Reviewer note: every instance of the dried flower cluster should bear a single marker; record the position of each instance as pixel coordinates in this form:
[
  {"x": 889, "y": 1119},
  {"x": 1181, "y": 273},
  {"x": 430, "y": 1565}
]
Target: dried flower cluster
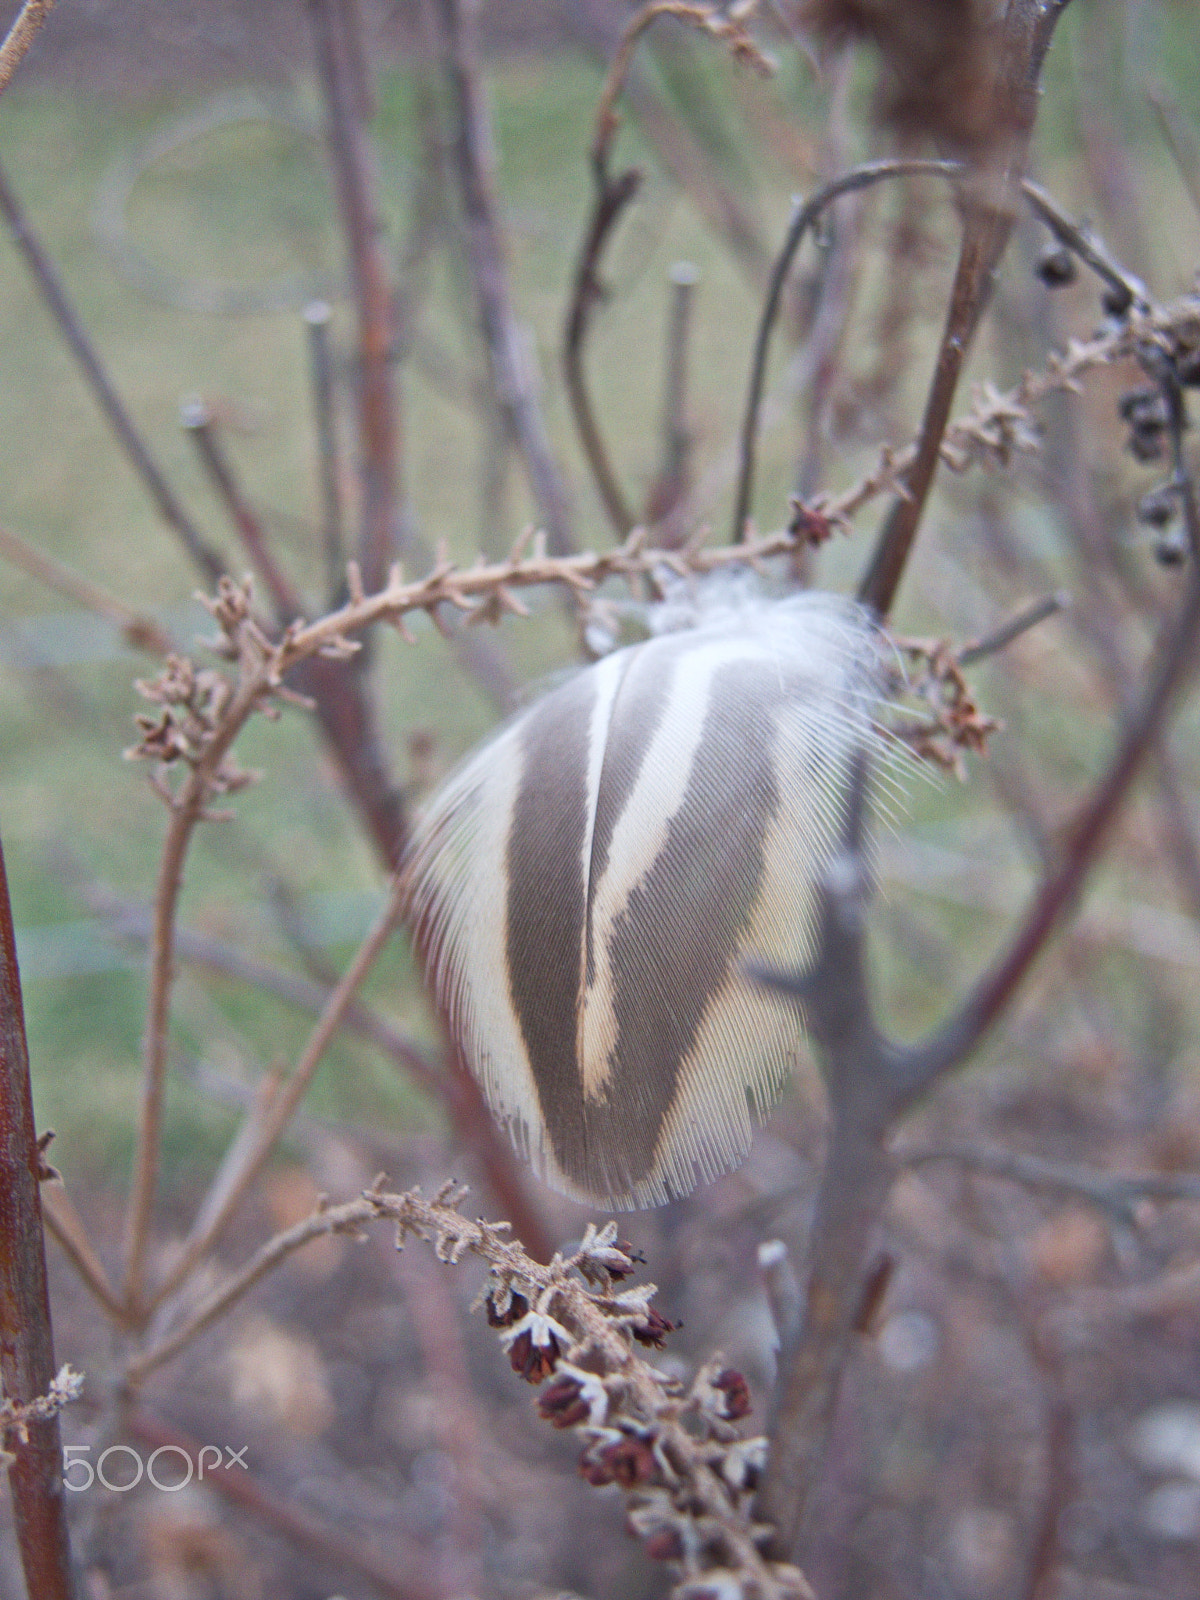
[
  {"x": 575, "y": 1326},
  {"x": 956, "y": 725}
]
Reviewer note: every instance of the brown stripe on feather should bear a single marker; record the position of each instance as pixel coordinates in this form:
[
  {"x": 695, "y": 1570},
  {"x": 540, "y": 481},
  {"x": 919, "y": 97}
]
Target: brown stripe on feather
[
  {"x": 545, "y": 905},
  {"x": 673, "y": 944},
  {"x": 634, "y": 717}
]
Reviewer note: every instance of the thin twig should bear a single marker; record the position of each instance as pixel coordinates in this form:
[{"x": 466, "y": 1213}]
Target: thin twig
[
  {"x": 612, "y": 196},
  {"x": 1115, "y": 1193},
  {"x": 27, "y": 1366},
  {"x": 317, "y": 315},
  {"x": 20, "y": 36},
  {"x": 961, "y": 1035},
  {"x": 278, "y": 1109},
  {"x": 1180, "y": 142},
  {"x": 451, "y": 1083},
  {"x": 727, "y": 23},
  {"x": 673, "y": 479},
  {"x": 1037, "y": 611},
  {"x": 138, "y": 630},
  {"x": 398, "y": 1575},
  {"x": 362, "y": 230},
  {"x": 207, "y": 559},
  {"x": 1091, "y": 250},
  {"x": 198, "y": 424},
  {"x": 472, "y": 147},
  {"x": 65, "y": 1225}
]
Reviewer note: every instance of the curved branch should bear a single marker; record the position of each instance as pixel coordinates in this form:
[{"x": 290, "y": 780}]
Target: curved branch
[
  {"x": 613, "y": 195},
  {"x": 804, "y": 218}
]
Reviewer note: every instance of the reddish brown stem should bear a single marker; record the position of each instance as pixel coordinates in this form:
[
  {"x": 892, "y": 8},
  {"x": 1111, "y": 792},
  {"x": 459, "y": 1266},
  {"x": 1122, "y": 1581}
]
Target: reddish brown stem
[
  {"x": 988, "y": 202},
  {"x": 370, "y": 276},
  {"x": 27, "y": 1364},
  {"x": 199, "y": 426}
]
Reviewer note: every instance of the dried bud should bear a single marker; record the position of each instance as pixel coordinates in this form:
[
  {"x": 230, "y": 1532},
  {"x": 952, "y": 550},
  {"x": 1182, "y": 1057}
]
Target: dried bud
[
  {"x": 1146, "y": 443},
  {"x": 1056, "y": 267},
  {"x": 1116, "y": 299},
  {"x": 1146, "y": 413},
  {"x": 654, "y": 1330},
  {"x": 592, "y": 1470},
  {"x": 736, "y": 1391},
  {"x": 627, "y": 1461},
  {"x": 533, "y": 1362},
  {"x": 562, "y": 1404},
  {"x": 1171, "y": 550},
  {"x": 1158, "y": 508},
  {"x": 812, "y": 526},
  {"x": 517, "y": 1307},
  {"x": 664, "y": 1545},
  {"x": 1140, "y": 407}
]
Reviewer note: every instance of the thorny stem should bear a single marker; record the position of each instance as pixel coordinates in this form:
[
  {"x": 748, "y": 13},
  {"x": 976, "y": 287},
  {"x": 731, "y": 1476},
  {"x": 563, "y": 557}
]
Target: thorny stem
[
  {"x": 27, "y": 1365},
  {"x": 20, "y": 36}
]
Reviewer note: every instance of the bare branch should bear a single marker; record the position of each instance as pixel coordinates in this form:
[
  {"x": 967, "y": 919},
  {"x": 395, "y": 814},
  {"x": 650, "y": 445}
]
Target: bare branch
[
  {"x": 27, "y": 1365},
  {"x": 317, "y": 316},
  {"x": 64, "y": 1223},
  {"x": 370, "y": 274},
  {"x": 209, "y": 561},
  {"x": 988, "y": 202},
  {"x": 612, "y": 196},
  {"x": 398, "y": 1574},
  {"x": 1115, "y": 1193},
  {"x": 508, "y": 357},
  {"x": 804, "y": 218},
  {"x": 200, "y": 428},
  {"x": 139, "y": 631},
  {"x": 271, "y": 1116}
]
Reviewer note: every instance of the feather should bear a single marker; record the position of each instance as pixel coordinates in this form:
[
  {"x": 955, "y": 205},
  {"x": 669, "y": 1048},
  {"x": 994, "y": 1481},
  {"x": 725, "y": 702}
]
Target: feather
[{"x": 586, "y": 889}]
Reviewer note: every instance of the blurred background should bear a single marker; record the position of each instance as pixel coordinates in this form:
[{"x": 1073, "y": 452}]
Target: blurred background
[{"x": 1025, "y": 1418}]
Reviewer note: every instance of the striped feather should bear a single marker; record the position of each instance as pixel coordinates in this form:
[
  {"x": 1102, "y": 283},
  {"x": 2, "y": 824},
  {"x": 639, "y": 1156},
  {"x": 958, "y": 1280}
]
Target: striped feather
[{"x": 586, "y": 889}]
